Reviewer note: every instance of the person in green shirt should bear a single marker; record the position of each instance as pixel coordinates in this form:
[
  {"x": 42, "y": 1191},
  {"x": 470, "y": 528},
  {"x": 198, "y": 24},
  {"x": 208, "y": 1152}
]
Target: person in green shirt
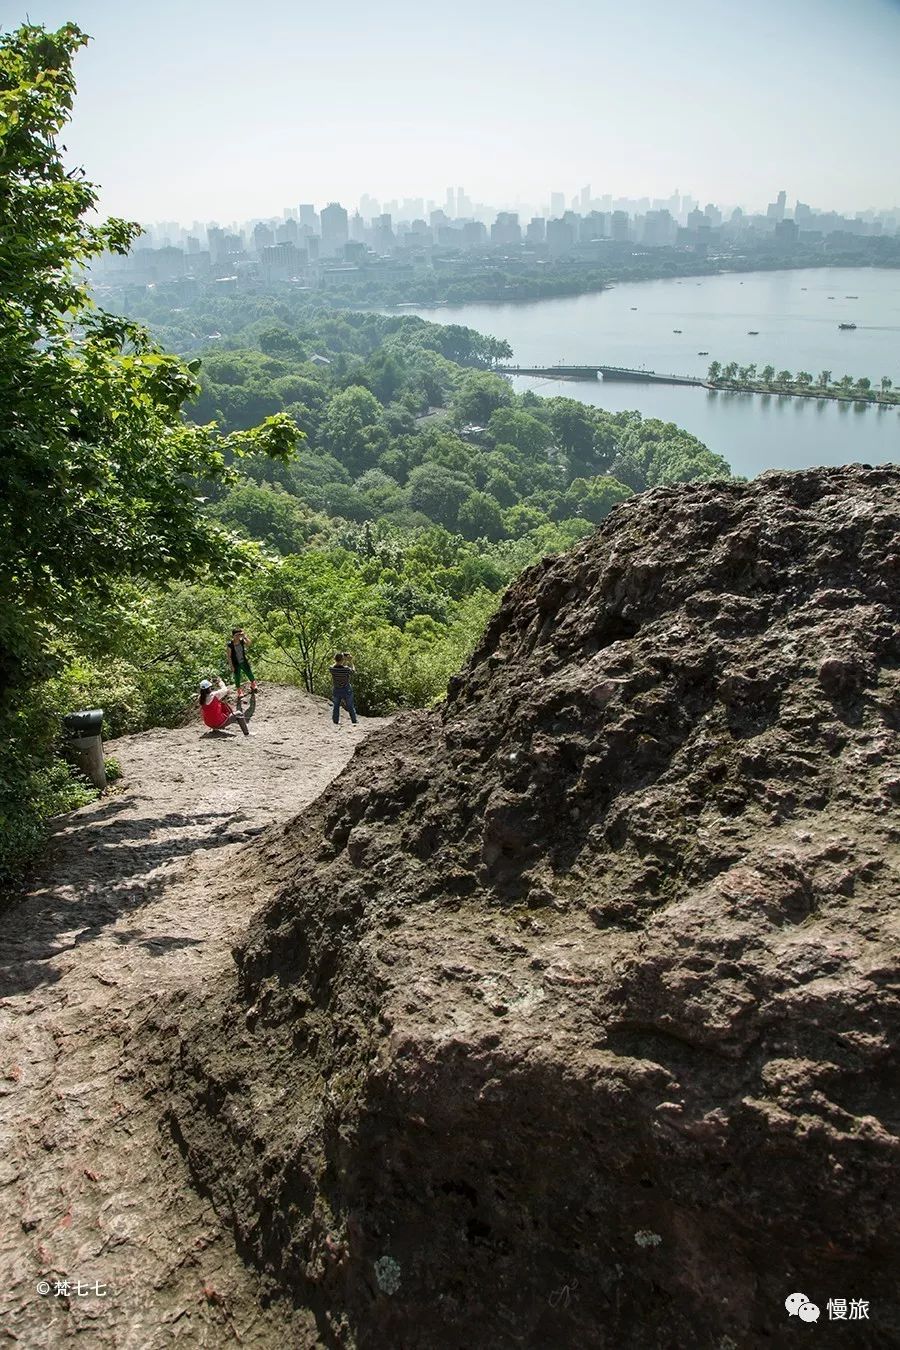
[{"x": 238, "y": 659}]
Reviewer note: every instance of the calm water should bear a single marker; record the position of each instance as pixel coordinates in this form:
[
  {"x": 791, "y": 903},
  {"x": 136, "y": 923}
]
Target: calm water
[{"x": 797, "y": 316}]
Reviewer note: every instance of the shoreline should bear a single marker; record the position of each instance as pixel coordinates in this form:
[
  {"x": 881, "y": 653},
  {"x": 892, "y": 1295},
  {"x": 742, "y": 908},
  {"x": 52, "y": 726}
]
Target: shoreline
[
  {"x": 830, "y": 396},
  {"x": 409, "y": 306}
]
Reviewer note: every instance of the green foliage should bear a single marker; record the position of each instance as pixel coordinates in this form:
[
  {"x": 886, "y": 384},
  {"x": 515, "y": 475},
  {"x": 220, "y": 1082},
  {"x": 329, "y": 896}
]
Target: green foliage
[
  {"x": 97, "y": 464},
  {"x": 480, "y": 517},
  {"x": 271, "y": 515},
  {"x": 477, "y": 398},
  {"x": 113, "y": 769},
  {"x": 437, "y": 492},
  {"x": 594, "y": 498},
  {"x": 308, "y": 602}
]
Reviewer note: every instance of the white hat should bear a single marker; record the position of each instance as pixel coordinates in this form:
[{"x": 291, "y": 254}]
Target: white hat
[{"x": 206, "y": 684}]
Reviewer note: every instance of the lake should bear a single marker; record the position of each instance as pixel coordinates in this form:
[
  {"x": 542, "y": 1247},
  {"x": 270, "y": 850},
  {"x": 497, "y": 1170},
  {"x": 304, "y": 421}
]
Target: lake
[{"x": 796, "y": 314}]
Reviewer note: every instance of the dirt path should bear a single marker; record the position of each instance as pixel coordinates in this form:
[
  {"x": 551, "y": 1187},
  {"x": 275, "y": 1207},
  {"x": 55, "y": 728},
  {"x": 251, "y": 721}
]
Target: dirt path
[{"x": 140, "y": 894}]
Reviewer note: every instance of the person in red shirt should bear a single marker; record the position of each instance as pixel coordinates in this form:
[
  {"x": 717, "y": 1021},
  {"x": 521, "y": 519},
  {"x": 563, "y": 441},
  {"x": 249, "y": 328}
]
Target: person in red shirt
[{"x": 215, "y": 709}]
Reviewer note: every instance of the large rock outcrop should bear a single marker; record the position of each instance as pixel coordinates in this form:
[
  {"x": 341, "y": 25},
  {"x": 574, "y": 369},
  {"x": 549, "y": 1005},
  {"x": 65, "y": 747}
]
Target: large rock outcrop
[{"x": 574, "y": 1019}]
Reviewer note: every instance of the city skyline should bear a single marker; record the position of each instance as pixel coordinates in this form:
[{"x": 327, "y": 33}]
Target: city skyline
[
  {"x": 556, "y": 204},
  {"x": 208, "y": 110}
]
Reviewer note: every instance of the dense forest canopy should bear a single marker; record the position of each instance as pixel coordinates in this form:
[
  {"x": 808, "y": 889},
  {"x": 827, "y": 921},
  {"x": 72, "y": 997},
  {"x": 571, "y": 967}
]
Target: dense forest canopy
[{"x": 325, "y": 478}]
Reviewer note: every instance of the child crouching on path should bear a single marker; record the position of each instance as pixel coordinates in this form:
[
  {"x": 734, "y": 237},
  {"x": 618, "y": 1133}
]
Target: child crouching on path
[
  {"x": 215, "y": 709},
  {"x": 341, "y": 688}
]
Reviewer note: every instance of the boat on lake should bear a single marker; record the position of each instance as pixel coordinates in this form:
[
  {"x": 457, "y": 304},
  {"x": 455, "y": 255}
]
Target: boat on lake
[
  {"x": 676, "y": 330},
  {"x": 846, "y": 325},
  {"x": 753, "y": 332},
  {"x": 703, "y": 353}
]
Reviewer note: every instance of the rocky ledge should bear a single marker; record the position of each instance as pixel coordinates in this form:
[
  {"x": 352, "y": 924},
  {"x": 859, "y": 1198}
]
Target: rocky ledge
[{"x": 573, "y": 1020}]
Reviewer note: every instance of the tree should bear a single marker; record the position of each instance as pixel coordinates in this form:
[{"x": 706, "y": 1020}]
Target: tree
[
  {"x": 803, "y": 379},
  {"x": 864, "y": 384},
  {"x": 351, "y": 428},
  {"x": 478, "y": 396},
  {"x": 278, "y": 340},
  {"x": 824, "y": 379},
  {"x": 98, "y": 462},
  {"x": 572, "y": 427},
  {"x": 308, "y": 602},
  {"x": 715, "y": 370},
  {"x": 768, "y": 374},
  {"x": 510, "y": 426},
  {"x": 887, "y": 384},
  {"x": 437, "y": 492},
  {"x": 730, "y": 371},
  {"x": 521, "y": 519},
  {"x": 479, "y": 517},
  {"x": 274, "y": 517},
  {"x": 845, "y": 383},
  {"x": 783, "y": 377},
  {"x": 594, "y": 498}
]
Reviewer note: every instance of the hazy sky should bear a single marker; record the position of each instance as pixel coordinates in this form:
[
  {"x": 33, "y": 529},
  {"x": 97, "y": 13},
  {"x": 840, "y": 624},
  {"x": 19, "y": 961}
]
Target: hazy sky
[{"x": 222, "y": 109}]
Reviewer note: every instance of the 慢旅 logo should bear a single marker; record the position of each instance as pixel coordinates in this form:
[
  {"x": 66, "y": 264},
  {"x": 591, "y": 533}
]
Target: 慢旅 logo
[{"x": 798, "y": 1305}]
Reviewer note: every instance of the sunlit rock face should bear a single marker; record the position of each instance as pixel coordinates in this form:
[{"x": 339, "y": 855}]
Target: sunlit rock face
[{"x": 573, "y": 1020}]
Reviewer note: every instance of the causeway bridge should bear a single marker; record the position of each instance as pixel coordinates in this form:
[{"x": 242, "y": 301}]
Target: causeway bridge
[{"x": 560, "y": 372}]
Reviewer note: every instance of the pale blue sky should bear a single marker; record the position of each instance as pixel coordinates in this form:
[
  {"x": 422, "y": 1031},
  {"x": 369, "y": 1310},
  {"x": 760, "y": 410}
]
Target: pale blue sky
[{"x": 230, "y": 108}]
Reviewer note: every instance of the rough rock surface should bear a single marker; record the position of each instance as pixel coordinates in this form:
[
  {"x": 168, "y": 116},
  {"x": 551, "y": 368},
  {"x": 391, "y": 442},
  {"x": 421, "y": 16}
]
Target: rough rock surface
[{"x": 573, "y": 1020}]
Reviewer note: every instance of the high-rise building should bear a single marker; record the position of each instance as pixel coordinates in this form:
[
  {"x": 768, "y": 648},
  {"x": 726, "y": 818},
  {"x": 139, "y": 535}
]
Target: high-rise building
[
  {"x": 288, "y": 232},
  {"x": 536, "y": 230},
  {"x": 618, "y": 226},
  {"x": 383, "y": 233},
  {"x": 660, "y": 228},
  {"x": 450, "y": 204},
  {"x": 335, "y": 231},
  {"x": 561, "y": 235},
  {"x": 463, "y": 205},
  {"x": 216, "y": 238},
  {"x": 585, "y": 198},
  {"x": 506, "y": 229},
  {"x": 775, "y": 210},
  {"x": 593, "y": 226},
  {"x": 308, "y": 217},
  {"x": 262, "y": 237},
  {"x": 282, "y": 261},
  {"x": 557, "y": 203}
]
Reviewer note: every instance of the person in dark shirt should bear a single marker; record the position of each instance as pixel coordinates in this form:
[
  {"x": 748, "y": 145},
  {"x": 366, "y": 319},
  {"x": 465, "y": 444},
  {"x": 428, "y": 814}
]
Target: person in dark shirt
[
  {"x": 238, "y": 658},
  {"x": 341, "y": 688}
]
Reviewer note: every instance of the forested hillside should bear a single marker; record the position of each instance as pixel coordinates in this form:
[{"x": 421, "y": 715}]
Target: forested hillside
[{"x": 323, "y": 478}]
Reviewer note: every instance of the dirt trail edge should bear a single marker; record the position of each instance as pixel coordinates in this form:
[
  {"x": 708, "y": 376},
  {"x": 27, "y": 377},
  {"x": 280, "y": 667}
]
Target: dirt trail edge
[{"x": 141, "y": 894}]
